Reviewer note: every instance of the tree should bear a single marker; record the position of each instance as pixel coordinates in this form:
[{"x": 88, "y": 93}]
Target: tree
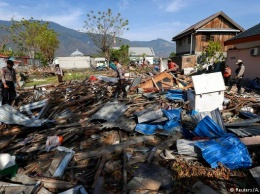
[
  {"x": 211, "y": 55},
  {"x": 103, "y": 29},
  {"x": 172, "y": 54},
  {"x": 35, "y": 37},
  {"x": 122, "y": 54}
]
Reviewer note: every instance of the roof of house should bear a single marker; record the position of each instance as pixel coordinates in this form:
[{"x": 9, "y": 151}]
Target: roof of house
[
  {"x": 76, "y": 53},
  {"x": 137, "y": 51},
  {"x": 140, "y": 51},
  {"x": 248, "y": 34},
  {"x": 201, "y": 23}
]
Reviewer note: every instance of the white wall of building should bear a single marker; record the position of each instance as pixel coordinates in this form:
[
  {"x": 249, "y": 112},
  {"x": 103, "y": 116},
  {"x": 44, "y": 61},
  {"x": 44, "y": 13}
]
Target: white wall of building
[{"x": 73, "y": 62}]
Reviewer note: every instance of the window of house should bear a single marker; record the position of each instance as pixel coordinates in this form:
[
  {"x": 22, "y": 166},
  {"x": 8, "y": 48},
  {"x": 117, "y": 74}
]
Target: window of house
[
  {"x": 207, "y": 37},
  {"x": 180, "y": 42},
  {"x": 188, "y": 60}
]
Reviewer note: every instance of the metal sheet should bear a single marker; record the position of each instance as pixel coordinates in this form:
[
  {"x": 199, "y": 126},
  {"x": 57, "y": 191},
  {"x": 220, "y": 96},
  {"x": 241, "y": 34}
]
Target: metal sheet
[
  {"x": 111, "y": 111},
  {"x": 34, "y": 105},
  {"x": 136, "y": 82},
  {"x": 245, "y": 123},
  {"x": 215, "y": 115},
  {"x": 10, "y": 115},
  {"x": 246, "y": 131},
  {"x": 150, "y": 116},
  {"x": 124, "y": 123}
]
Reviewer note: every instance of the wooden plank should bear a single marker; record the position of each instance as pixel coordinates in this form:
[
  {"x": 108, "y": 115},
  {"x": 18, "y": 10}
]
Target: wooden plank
[
  {"x": 99, "y": 170},
  {"x": 55, "y": 184},
  {"x": 112, "y": 148},
  {"x": 155, "y": 85}
]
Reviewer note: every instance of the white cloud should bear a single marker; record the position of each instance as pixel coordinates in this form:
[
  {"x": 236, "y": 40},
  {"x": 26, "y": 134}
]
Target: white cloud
[
  {"x": 171, "y": 5},
  {"x": 123, "y": 4},
  {"x": 69, "y": 19},
  {"x": 7, "y": 15},
  {"x": 3, "y": 4},
  {"x": 175, "y": 5}
]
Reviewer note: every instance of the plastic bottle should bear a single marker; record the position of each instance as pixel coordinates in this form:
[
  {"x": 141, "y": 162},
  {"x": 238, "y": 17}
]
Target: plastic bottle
[{"x": 53, "y": 141}]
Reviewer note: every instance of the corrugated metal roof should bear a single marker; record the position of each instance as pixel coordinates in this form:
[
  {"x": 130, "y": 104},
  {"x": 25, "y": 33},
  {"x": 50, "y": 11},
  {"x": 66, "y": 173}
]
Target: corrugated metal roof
[
  {"x": 215, "y": 115},
  {"x": 140, "y": 51},
  {"x": 150, "y": 116},
  {"x": 10, "y": 115},
  {"x": 122, "y": 122},
  {"x": 255, "y": 30},
  {"x": 246, "y": 131},
  {"x": 110, "y": 111}
]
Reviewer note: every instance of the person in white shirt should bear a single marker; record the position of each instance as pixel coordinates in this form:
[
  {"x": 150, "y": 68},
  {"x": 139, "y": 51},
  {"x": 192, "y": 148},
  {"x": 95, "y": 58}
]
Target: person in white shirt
[{"x": 121, "y": 80}]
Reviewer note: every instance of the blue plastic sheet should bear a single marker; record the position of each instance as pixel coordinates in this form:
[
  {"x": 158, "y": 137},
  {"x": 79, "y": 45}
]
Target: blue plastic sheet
[
  {"x": 225, "y": 148},
  {"x": 175, "y": 95},
  {"x": 165, "y": 128}
]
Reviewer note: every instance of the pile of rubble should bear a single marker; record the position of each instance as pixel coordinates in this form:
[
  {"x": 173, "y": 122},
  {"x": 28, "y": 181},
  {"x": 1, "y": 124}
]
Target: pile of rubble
[{"x": 72, "y": 138}]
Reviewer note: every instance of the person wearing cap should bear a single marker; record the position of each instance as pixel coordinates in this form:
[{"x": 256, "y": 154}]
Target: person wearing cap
[
  {"x": 8, "y": 83},
  {"x": 240, "y": 71},
  {"x": 121, "y": 79}
]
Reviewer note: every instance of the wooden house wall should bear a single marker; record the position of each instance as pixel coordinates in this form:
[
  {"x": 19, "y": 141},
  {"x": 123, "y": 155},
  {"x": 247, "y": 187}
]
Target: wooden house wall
[{"x": 220, "y": 23}]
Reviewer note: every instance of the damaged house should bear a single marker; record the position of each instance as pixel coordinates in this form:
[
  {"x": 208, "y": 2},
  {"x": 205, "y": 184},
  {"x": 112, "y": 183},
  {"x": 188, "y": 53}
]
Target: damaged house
[{"x": 192, "y": 41}]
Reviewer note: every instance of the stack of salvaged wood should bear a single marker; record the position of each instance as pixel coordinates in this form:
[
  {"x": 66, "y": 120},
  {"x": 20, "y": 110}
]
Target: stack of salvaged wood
[{"x": 72, "y": 138}]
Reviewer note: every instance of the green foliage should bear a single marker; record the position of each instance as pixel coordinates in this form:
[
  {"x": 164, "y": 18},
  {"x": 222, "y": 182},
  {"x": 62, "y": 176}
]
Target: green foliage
[
  {"x": 103, "y": 28},
  {"x": 35, "y": 37},
  {"x": 172, "y": 54},
  {"x": 122, "y": 54},
  {"x": 212, "y": 54}
]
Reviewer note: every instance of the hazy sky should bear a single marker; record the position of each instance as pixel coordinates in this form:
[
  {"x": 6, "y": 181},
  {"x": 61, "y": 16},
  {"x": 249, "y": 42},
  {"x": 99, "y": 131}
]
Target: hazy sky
[{"x": 148, "y": 19}]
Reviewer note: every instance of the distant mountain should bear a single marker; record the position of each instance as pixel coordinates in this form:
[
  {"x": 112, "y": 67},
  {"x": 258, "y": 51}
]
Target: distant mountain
[{"x": 71, "y": 40}]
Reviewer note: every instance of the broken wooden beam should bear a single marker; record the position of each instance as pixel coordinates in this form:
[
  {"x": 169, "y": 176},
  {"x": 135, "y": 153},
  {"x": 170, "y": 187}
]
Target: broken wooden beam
[{"x": 112, "y": 148}]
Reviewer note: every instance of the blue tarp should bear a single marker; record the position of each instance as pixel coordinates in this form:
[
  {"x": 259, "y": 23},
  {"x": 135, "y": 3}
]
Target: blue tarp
[
  {"x": 175, "y": 95},
  {"x": 225, "y": 148},
  {"x": 165, "y": 128}
]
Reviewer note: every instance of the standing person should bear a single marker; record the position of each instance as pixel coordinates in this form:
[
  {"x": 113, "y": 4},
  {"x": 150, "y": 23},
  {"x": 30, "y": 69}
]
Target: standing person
[
  {"x": 227, "y": 75},
  {"x": 8, "y": 83},
  {"x": 59, "y": 73},
  {"x": 239, "y": 75},
  {"x": 172, "y": 66},
  {"x": 121, "y": 79}
]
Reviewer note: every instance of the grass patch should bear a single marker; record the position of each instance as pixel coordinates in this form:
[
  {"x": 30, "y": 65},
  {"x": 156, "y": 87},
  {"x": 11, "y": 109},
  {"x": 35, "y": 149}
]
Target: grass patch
[{"x": 72, "y": 75}]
